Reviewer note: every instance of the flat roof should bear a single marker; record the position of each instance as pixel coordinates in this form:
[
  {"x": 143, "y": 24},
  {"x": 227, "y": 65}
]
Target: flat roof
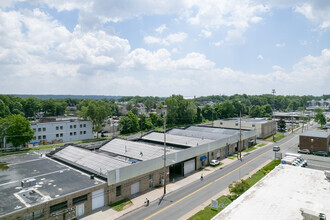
[
  {"x": 250, "y": 120},
  {"x": 52, "y": 180},
  {"x": 90, "y": 161},
  {"x": 176, "y": 139},
  {"x": 136, "y": 150},
  {"x": 281, "y": 194},
  {"x": 293, "y": 114},
  {"x": 321, "y": 134},
  {"x": 204, "y": 132}
]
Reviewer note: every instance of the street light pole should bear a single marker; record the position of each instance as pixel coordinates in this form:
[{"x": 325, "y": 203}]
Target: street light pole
[
  {"x": 240, "y": 134},
  {"x": 164, "y": 155}
]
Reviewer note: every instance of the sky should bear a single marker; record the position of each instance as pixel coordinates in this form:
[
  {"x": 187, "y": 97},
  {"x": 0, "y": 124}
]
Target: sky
[{"x": 160, "y": 48}]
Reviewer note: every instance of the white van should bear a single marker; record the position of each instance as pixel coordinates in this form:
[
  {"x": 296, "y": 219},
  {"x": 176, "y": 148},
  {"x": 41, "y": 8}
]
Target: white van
[
  {"x": 276, "y": 148},
  {"x": 299, "y": 158}
]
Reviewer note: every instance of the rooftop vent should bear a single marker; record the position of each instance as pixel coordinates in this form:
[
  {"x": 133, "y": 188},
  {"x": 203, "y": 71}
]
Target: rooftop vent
[
  {"x": 28, "y": 183},
  {"x": 312, "y": 215}
]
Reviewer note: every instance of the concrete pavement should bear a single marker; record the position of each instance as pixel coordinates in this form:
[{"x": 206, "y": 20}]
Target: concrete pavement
[{"x": 156, "y": 194}]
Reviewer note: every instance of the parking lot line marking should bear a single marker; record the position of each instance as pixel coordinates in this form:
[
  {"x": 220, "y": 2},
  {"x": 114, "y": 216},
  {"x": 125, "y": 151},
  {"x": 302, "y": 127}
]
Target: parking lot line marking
[{"x": 27, "y": 161}]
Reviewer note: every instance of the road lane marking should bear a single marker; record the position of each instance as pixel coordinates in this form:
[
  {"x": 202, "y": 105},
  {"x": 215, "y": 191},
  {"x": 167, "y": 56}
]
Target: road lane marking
[{"x": 163, "y": 209}]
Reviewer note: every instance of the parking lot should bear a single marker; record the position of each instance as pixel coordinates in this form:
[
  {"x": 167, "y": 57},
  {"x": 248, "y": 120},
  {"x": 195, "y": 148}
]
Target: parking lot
[{"x": 314, "y": 162}]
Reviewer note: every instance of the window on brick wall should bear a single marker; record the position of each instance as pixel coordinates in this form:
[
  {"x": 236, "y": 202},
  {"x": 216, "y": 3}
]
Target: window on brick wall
[
  {"x": 58, "y": 207},
  {"x": 118, "y": 191},
  {"x": 79, "y": 199}
]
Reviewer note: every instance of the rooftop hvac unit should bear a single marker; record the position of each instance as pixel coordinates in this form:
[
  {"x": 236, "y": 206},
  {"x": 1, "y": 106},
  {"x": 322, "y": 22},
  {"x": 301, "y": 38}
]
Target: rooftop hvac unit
[
  {"x": 28, "y": 183},
  {"x": 327, "y": 174},
  {"x": 312, "y": 215}
]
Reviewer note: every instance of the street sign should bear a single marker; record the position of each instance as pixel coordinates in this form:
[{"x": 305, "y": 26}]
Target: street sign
[{"x": 278, "y": 155}]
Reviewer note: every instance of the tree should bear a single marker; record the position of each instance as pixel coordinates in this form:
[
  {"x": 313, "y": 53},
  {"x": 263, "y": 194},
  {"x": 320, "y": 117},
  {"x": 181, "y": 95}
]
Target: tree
[
  {"x": 149, "y": 104},
  {"x": 156, "y": 120},
  {"x": 97, "y": 112},
  {"x": 281, "y": 125},
  {"x": 238, "y": 188},
  {"x": 129, "y": 123},
  {"x": 129, "y": 106},
  {"x": 199, "y": 117},
  {"x": 135, "y": 111},
  {"x": 145, "y": 123},
  {"x": 17, "y": 129},
  {"x": 4, "y": 110},
  {"x": 207, "y": 112},
  {"x": 256, "y": 111},
  {"x": 172, "y": 110},
  {"x": 319, "y": 118},
  {"x": 268, "y": 111},
  {"x": 227, "y": 109}
]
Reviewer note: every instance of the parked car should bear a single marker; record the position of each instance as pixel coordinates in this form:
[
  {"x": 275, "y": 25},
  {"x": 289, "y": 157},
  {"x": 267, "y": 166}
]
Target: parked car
[
  {"x": 304, "y": 151},
  {"x": 276, "y": 148},
  {"x": 321, "y": 153},
  {"x": 214, "y": 162},
  {"x": 103, "y": 135}
]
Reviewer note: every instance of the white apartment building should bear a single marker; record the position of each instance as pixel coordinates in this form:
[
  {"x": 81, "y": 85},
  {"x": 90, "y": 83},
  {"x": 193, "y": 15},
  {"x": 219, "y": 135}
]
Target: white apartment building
[{"x": 61, "y": 131}]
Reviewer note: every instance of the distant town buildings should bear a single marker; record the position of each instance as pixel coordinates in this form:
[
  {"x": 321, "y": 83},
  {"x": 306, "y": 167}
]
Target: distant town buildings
[{"x": 323, "y": 104}]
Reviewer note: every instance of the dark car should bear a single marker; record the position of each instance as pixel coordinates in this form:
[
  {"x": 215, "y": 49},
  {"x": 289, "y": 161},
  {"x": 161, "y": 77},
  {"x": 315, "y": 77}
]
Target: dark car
[
  {"x": 304, "y": 151},
  {"x": 321, "y": 153}
]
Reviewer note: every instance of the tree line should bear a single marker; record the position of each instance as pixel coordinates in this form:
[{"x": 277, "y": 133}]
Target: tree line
[{"x": 179, "y": 111}]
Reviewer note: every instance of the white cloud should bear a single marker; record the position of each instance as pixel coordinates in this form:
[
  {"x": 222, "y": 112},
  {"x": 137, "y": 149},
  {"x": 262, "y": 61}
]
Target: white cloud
[
  {"x": 260, "y": 57},
  {"x": 169, "y": 39},
  {"x": 218, "y": 43},
  {"x": 277, "y": 68},
  {"x": 280, "y": 45},
  {"x": 235, "y": 15},
  {"x": 205, "y": 34},
  {"x": 317, "y": 12},
  {"x": 36, "y": 49},
  {"x": 161, "y": 28}
]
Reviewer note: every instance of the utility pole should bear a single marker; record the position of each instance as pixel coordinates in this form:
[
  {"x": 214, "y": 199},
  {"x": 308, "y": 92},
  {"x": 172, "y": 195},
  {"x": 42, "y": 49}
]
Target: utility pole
[
  {"x": 273, "y": 91},
  {"x": 164, "y": 155},
  {"x": 240, "y": 134},
  {"x": 141, "y": 125},
  {"x": 212, "y": 117},
  {"x": 4, "y": 143}
]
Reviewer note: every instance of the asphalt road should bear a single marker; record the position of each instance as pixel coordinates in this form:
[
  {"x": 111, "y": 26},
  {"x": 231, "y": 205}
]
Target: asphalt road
[{"x": 177, "y": 204}]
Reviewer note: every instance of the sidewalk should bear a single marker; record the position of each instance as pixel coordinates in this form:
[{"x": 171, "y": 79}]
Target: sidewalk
[{"x": 156, "y": 194}]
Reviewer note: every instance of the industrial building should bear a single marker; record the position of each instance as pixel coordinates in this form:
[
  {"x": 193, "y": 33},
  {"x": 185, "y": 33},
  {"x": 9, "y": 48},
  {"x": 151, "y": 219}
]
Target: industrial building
[
  {"x": 292, "y": 116},
  {"x": 36, "y": 187},
  {"x": 74, "y": 180},
  {"x": 315, "y": 141},
  {"x": 287, "y": 192},
  {"x": 263, "y": 127},
  {"x": 54, "y": 130}
]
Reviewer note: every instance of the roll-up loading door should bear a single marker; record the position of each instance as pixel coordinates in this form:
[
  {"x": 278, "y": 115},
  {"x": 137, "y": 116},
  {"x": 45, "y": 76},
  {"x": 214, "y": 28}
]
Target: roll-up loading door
[
  {"x": 189, "y": 166},
  {"x": 135, "y": 188},
  {"x": 97, "y": 199}
]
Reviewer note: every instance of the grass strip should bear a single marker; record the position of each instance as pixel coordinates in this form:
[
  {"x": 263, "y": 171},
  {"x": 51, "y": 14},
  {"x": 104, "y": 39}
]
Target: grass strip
[
  {"x": 208, "y": 212},
  {"x": 119, "y": 206}
]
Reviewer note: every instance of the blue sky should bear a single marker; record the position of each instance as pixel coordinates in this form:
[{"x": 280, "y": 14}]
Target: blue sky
[{"x": 159, "y": 48}]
